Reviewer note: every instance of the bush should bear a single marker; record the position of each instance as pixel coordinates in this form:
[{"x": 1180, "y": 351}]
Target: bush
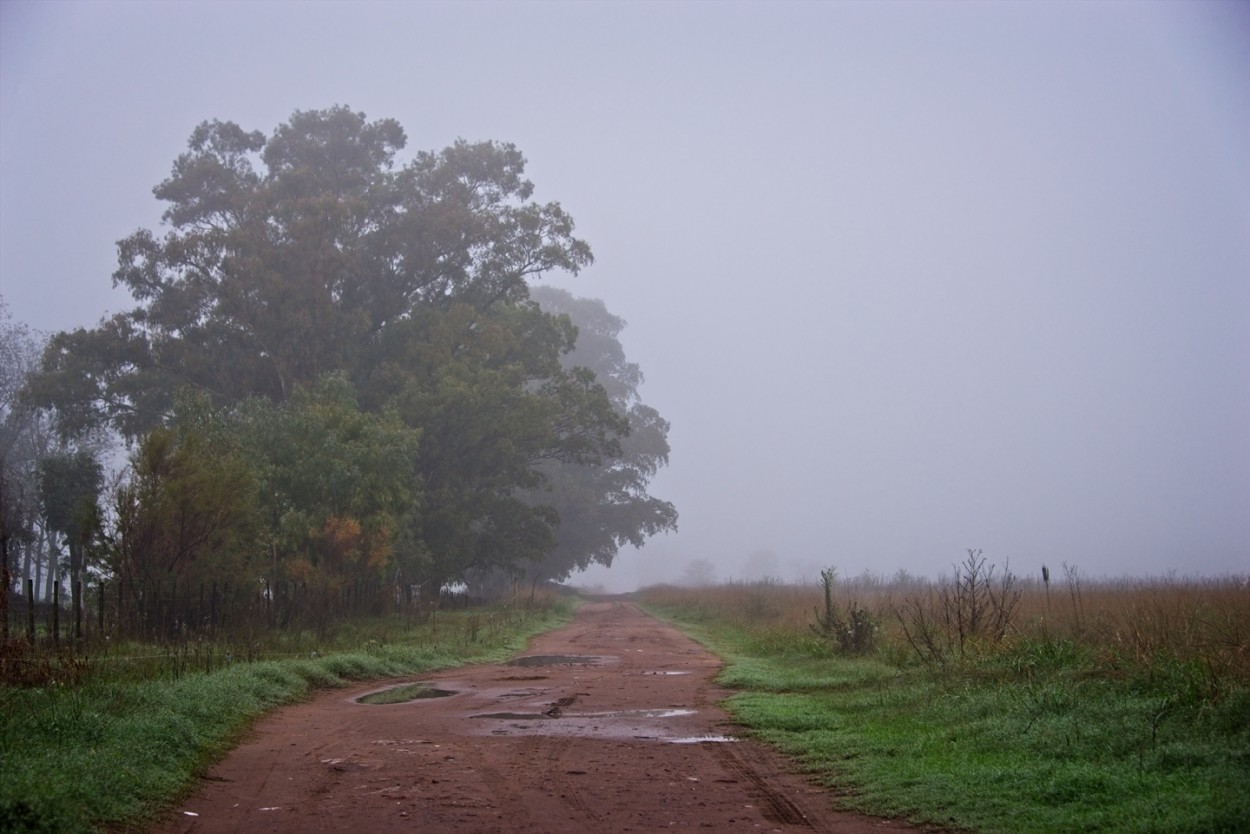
[{"x": 854, "y": 633}]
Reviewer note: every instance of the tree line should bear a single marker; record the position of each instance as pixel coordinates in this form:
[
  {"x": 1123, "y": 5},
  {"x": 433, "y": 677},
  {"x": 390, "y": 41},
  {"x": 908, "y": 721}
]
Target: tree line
[{"x": 337, "y": 372}]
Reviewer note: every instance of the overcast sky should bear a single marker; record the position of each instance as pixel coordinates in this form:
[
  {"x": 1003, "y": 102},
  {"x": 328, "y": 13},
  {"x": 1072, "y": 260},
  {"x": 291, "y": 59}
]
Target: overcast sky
[{"x": 906, "y": 278}]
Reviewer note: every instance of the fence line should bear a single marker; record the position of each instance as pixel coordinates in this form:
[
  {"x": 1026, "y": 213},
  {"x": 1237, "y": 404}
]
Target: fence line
[{"x": 170, "y": 610}]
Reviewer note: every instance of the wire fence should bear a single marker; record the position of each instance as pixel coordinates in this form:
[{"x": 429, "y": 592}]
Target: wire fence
[{"x": 159, "y": 612}]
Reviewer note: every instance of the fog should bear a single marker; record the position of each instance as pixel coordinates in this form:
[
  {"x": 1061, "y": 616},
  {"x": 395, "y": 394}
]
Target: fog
[{"x": 906, "y": 278}]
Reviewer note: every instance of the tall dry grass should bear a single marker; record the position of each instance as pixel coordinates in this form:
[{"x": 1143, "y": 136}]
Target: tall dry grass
[{"x": 1133, "y": 624}]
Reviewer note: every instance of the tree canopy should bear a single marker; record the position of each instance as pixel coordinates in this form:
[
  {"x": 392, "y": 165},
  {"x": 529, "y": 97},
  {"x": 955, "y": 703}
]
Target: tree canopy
[
  {"x": 603, "y": 508},
  {"x": 357, "y": 334},
  {"x": 291, "y": 257}
]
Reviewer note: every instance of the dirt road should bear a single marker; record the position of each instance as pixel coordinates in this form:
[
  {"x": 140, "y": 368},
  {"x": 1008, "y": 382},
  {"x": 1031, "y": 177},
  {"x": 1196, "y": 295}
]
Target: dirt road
[{"x": 609, "y": 724}]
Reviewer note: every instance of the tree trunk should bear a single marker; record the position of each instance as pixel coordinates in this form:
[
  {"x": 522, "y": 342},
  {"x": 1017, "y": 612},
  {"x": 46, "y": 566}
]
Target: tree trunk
[
  {"x": 75, "y": 586},
  {"x": 6, "y": 580},
  {"x": 36, "y": 558},
  {"x": 25, "y": 565}
]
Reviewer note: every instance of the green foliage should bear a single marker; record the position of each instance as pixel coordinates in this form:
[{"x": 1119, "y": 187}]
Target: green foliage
[
  {"x": 69, "y": 487},
  {"x": 334, "y": 482},
  {"x": 602, "y": 508},
  {"x": 359, "y": 335},
  {"x": 290, "y": 257},
  {"x": 188, "y": 510}
]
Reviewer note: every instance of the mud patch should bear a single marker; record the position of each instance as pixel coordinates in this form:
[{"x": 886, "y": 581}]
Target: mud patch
[{"x": 403, "y": 693}]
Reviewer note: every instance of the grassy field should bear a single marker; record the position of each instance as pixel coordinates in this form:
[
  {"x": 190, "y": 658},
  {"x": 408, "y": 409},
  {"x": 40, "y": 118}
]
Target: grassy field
[
  {"x": 111, "y": 741},
  {"x": 1118, "y": 706}
]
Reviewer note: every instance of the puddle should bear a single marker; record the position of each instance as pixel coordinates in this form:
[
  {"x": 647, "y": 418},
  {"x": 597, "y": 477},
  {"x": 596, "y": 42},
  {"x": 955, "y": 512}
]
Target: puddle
[
  {"x": 662, "y": 726},
  {"x": 641, "y": 713},
  {"x": 686, "y": 672},
  {"x": 343, "y": 765},
  {"x": 403, "y": 693},
  {"x": 556, "y": 660},
  {"x": 580, "y": 716}
]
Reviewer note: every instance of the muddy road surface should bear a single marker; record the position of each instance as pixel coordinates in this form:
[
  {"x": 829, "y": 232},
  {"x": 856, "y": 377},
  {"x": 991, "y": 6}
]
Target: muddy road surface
[{"x": 609, "y": 724}]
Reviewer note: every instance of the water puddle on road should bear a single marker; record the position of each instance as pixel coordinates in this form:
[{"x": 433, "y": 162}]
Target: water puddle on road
[
  {"x": 664, "y": 726},
  {"x": 701, "y": 740},
  {"x": 577, "y": 716},
  {"x": 558, "y": 660},
  {"x": 403, "y": 693}
]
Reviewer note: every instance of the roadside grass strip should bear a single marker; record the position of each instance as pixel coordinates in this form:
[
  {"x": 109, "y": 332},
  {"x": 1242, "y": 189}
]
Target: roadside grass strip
[
  {"x": 109, "y": 753},
  {"x": 1033, "y": 739}
]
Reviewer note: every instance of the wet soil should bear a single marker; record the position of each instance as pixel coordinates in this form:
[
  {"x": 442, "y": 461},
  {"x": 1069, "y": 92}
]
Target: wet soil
[{"x": 609, "y": 724}]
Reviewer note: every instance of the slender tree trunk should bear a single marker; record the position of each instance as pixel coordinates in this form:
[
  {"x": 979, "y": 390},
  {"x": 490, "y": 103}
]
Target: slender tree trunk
[
  {"x": 25, "y": 564},
  {"x": 36, "y": 558},
  {"x": 6, "y": 580},
  {"x": 75, "y": 585}
]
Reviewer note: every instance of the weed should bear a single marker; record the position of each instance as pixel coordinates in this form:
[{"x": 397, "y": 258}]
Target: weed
[{"x": 854, "y": 633}]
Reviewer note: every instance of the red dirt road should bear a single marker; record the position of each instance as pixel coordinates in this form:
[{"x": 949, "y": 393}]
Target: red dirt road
[{"x": 619, "y": 732}]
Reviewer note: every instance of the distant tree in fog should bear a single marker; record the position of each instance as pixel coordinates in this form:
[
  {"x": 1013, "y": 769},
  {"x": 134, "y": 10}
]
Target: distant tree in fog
[
  {"x": 602, "y": 508},
  {"x": 762, "y": 564},
  {"x": 699, "y": 574}
]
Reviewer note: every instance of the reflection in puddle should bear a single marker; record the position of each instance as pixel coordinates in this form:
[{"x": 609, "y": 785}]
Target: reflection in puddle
[
  {"x": 701, "y": 739},
  {"x": 686, "y": 672}
]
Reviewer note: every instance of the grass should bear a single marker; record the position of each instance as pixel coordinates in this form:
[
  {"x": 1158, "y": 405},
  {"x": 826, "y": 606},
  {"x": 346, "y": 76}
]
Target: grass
[
  {"x": 1052, "y": 729},
  {"x": 110, "y": 751}
]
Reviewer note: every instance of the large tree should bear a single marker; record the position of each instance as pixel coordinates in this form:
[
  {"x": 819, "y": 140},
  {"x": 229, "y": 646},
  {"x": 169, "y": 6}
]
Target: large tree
[
  {"x": 495, "y": 408},
  {"x": 602, "y": 508},
  {"x": 314, "y": 252},
  {"x": 290, "y": 256}
]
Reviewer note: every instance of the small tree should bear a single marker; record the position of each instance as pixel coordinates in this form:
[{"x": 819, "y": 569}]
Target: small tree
[
  {"x": 69, "y": 489},
  {"x": 700, "y": 573},
  {"x": 970, "y": 609},
  {"x": 854, "y": 633}
]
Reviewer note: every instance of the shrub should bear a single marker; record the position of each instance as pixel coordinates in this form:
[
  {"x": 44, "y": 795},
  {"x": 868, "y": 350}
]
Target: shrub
[{"x": 854, "y": 633}]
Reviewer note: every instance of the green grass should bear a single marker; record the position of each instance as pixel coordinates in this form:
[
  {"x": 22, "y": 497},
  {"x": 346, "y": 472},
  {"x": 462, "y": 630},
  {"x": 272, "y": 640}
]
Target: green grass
[
  {"x": 1042, "y": 737},
  {"x": 113, "y": 752}
]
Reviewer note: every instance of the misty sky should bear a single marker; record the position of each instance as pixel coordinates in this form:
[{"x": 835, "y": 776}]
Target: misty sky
[{"x": 906, "y": 278}]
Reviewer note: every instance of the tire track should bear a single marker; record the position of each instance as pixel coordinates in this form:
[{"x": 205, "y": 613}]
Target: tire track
[{"x": 779, "y": 807}]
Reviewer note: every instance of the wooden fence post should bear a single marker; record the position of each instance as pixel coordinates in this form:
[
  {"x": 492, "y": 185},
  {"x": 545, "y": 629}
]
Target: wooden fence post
[
  {"x": 30, "y": 611},
  {"x": 56, "y": 613},
  {"x": 77, "y": 597}
]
